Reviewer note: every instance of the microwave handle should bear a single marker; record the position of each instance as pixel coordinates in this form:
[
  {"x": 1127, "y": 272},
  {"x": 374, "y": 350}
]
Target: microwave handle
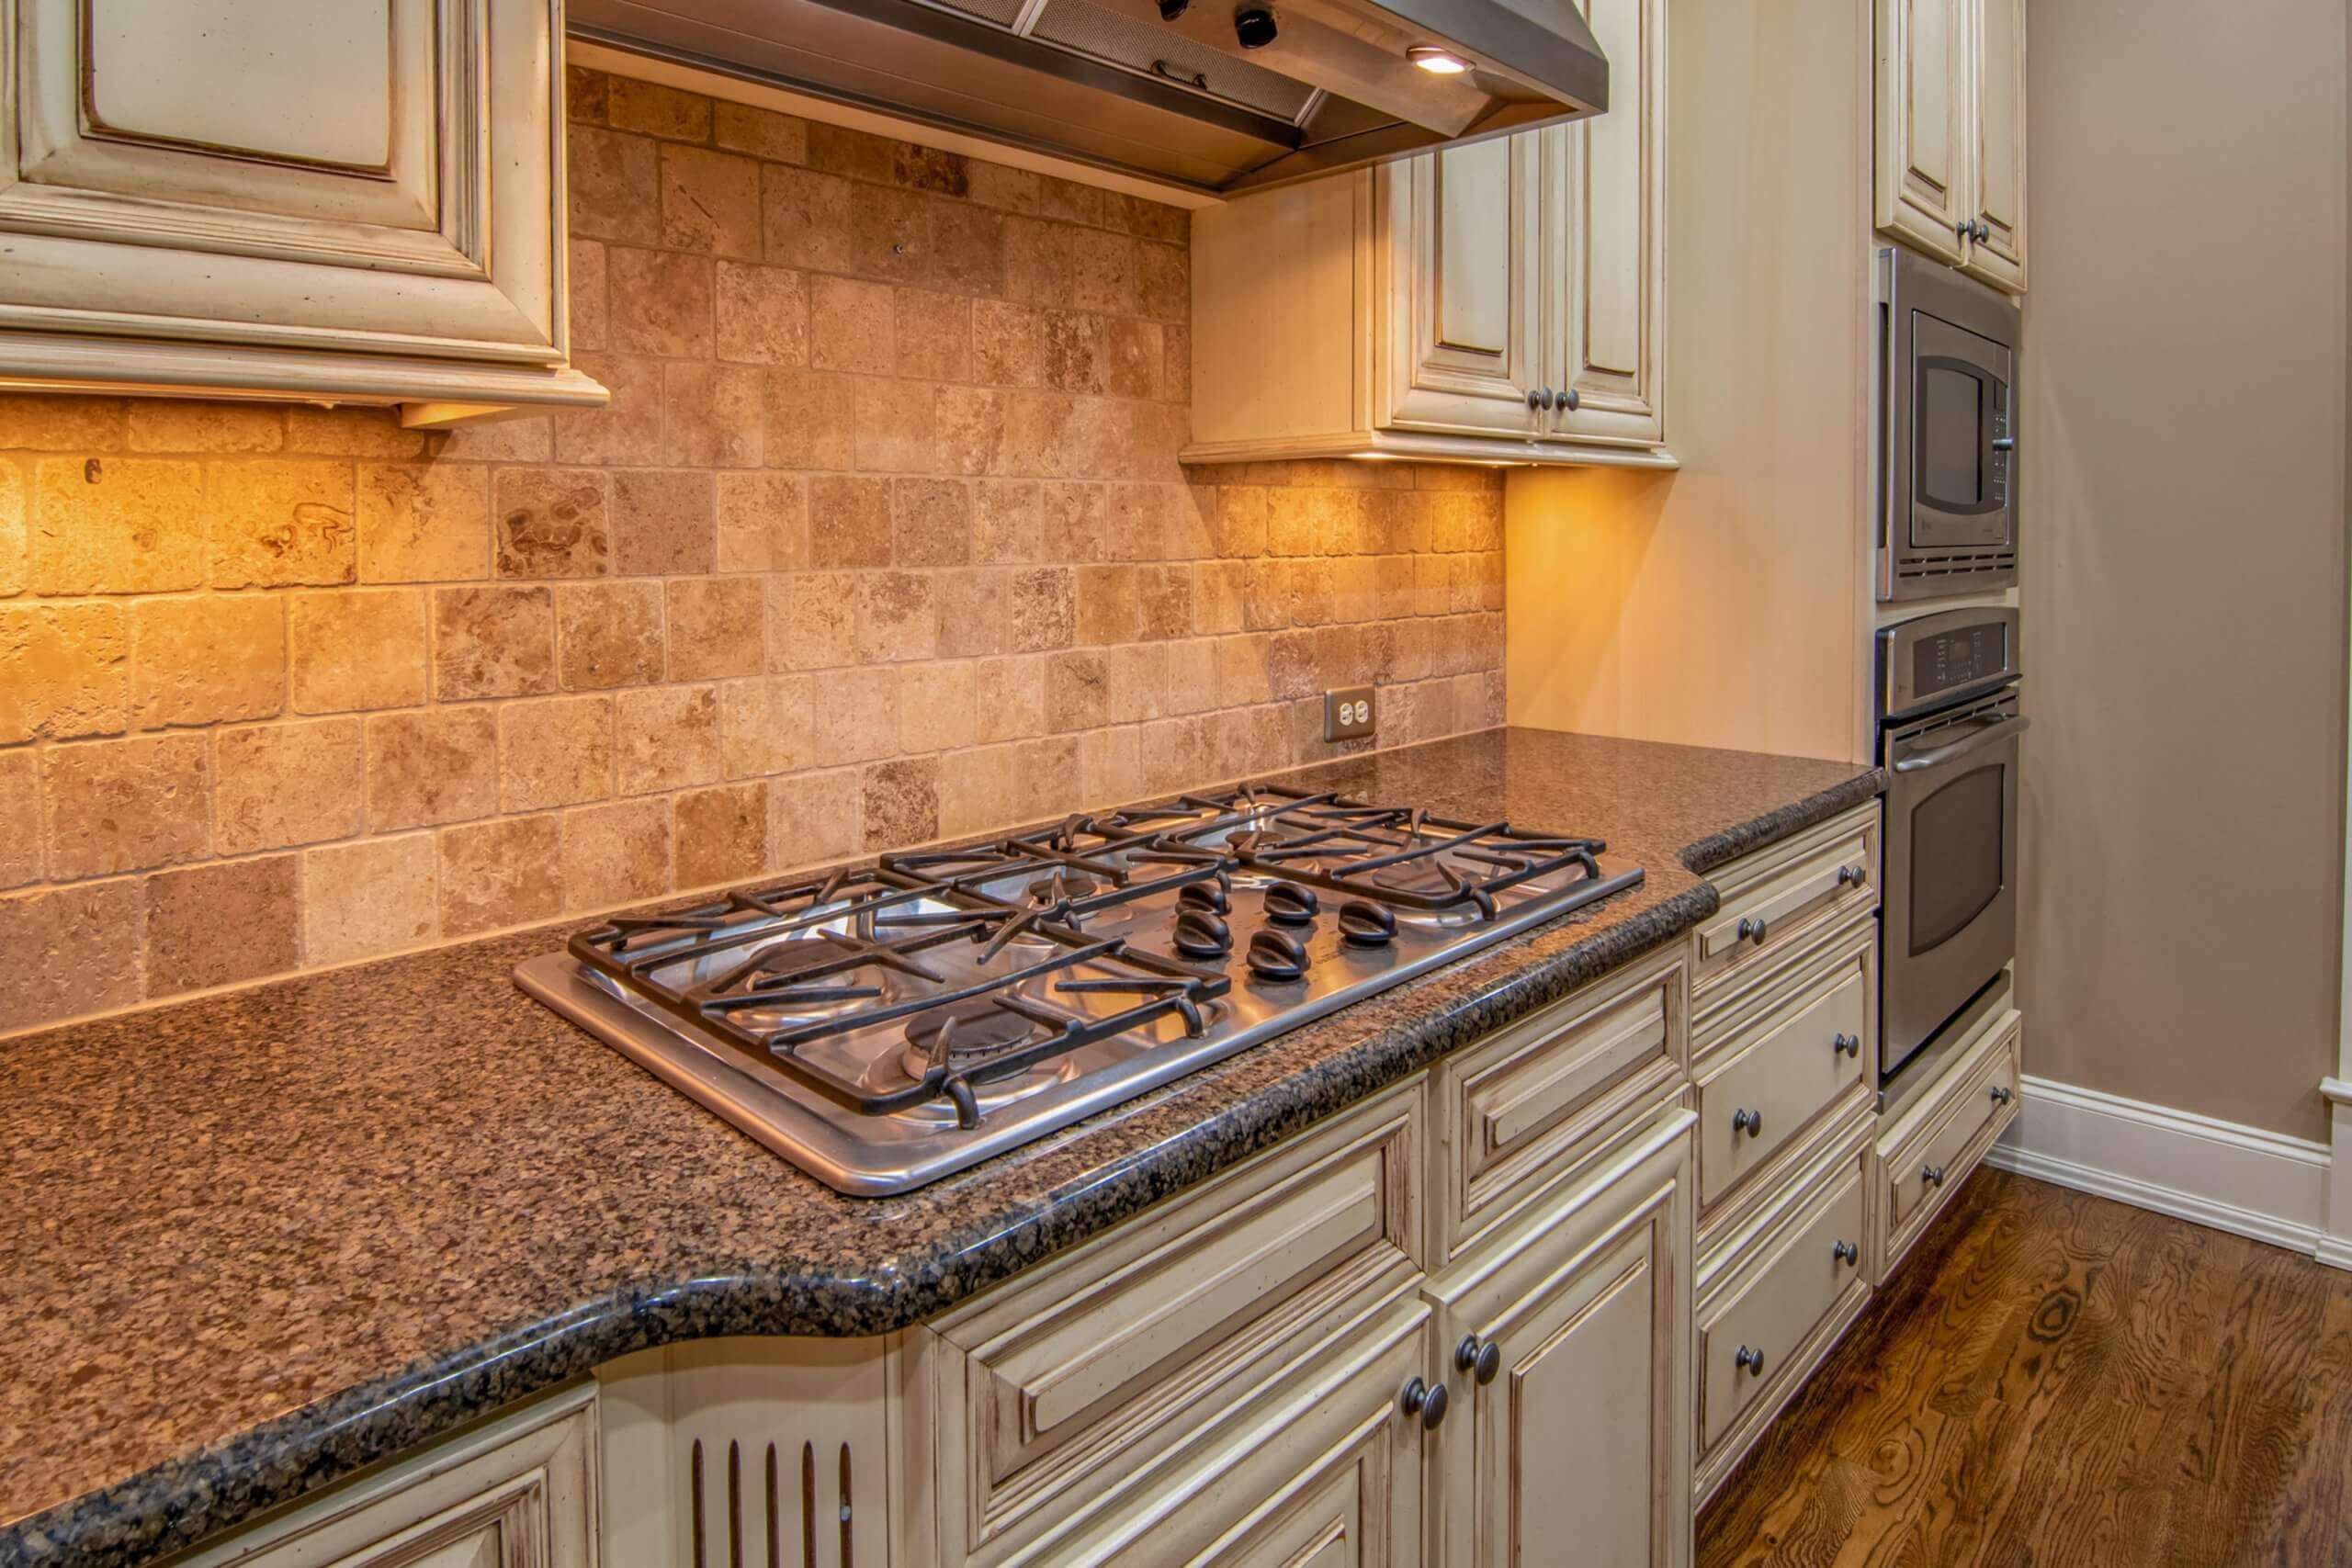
[{"x": 1985, "y": 735}]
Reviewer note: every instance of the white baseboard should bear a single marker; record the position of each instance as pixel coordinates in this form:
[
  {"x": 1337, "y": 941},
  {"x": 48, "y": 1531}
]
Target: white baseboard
[{"x": 2233, "y": 1178}]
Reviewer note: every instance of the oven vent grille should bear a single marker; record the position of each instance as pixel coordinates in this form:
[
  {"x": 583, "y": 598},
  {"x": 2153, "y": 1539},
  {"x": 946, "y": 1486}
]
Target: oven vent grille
[{"x": 1973, "y": 563}]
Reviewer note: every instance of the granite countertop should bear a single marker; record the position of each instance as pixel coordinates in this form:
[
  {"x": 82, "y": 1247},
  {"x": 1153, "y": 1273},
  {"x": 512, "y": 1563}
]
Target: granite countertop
[{"x": 260, "y": 1239}]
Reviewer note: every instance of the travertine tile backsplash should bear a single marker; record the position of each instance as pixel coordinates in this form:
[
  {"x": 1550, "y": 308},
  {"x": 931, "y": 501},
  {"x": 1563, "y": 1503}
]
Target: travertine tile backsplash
[{"x": 883, "y": 538}]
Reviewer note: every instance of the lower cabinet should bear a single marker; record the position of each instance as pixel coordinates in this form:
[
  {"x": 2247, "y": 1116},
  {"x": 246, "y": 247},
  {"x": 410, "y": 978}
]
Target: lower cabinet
[
  {"x": 1925, "y": 1156},
  {"x": 1563, "y": 1349}
]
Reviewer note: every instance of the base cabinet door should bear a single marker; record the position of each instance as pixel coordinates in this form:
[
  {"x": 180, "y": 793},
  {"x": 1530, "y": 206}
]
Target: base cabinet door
[{"x": 1564, "y": 1346}]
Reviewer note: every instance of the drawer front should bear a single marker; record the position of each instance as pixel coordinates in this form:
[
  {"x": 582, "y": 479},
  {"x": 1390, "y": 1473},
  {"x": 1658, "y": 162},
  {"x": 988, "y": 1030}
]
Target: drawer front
[
  {"x": 1928, "y": 1157},
  {"x": 1520, "y": 1110},
  {"x": 1071, "y": 1382},
  {"x": 1771, "y": 898},
  {"x": 1771, "y": 1084},
  {"x": 1747, "y": 1343}
]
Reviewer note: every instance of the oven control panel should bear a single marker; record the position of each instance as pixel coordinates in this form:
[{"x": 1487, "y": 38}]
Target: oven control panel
[{"x": 1953, "y": 655}]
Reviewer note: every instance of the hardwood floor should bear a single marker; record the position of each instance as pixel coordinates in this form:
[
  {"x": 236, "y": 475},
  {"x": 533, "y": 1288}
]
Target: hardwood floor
[{"x": 2057, "y": 1380}]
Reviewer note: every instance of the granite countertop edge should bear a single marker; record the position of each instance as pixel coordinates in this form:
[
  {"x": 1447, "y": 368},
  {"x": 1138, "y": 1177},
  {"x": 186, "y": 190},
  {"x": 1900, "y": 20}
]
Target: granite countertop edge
[{"x": 188, "y": 1499}]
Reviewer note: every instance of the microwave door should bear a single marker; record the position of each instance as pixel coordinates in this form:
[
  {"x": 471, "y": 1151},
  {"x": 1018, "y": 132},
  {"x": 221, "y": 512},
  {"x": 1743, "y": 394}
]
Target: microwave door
[{"x": 1960, "y": 457}]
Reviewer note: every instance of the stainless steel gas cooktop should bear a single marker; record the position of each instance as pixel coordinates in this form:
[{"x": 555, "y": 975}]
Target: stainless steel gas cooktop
[{"x": 885, "y": 1025}]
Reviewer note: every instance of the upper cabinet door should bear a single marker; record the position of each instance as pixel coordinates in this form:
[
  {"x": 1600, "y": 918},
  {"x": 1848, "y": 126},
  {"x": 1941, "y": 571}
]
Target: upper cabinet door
[
  {"x": 1463, "y": 251},
  {"x": 1924, "y": 180},
  {"x": 1996, "y": 254},
  {"x": 1588, "y": 1306},
  {"x": 208, "y": 182},
  {"x": 1612, "y": 297}
]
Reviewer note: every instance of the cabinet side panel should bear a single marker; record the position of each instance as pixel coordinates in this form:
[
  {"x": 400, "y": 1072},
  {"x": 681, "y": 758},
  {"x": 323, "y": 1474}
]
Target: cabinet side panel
[{"x": 1273, "y": 313}]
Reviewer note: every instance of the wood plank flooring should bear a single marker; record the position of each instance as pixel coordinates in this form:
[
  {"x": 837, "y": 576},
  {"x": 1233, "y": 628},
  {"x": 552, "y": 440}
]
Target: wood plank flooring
[{"x": 2057, "y": 1380}]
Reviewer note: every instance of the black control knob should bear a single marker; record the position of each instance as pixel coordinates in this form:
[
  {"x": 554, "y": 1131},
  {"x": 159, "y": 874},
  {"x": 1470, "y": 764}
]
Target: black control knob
[
  {"x": 1200, "y": 934},
  {"x": 1253, "y": 27},
  {"x": 1171, "y": 10},
  {"x": 1276, "y": 955},
  {"x": 1209, "y": 896},
  {"x": 1290, "y": 904},
  {"x": 1363, "y": 924}
]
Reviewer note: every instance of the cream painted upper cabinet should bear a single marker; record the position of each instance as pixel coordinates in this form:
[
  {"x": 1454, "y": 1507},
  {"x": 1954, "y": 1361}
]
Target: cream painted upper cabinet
[
  {"x": 359, "y": 201},
  {"x": 1501, "y": 300},
  {"x": 1950, "y": 131}
]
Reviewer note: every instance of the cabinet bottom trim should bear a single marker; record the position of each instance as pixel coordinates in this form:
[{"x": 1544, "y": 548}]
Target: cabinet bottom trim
[{"x": 1406, "y": 445}]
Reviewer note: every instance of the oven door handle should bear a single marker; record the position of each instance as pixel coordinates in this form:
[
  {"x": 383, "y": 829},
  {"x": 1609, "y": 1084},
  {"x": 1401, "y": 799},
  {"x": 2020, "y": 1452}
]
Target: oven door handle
[{"x": 1999, "y": 729}]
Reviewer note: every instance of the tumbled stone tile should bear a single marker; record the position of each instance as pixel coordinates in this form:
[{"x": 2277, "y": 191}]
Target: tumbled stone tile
[
  {"x": 711, "y": 416},
  {"x": 1006, "y": 347},
  {"x": 588, "y": 297},
  {"x": 1008, "y": 521},
  {"x": 717, "y": 628},
  {"x": 809, "y": 620},
  {"x": 219, "y": 924},
  {"x": 763, "y": 314},
  {"x": 492, "y": 642},
  {"x": 277, "y": 785},
  {"x": 626, "y": 430},
  {"x": 430, "y": 766},
  {"x": 665, "y": 737},
  {"x": 812, "y": 818},
  {"x": 69, "y": 950},
  {"x": 852, "y": 326},
  {"x": 657, "y": 110},
  {"x": 373, "y": 897},
  {"x": 898, "y": 802},
  {"x": 117, "y": 806},
  {"x": 613, "y": 185},
  {"x": 505, "y": 872},
  {"x": 357, "y": 648},
  {"x": 968, "y": 431},
  {"x": 763, "y": 522},
  {"x": 968, "y": 250},
  {"x": 1045, "y": 609},
  {"x": 664, "y": 522},
  {"x": 722, "y": 834},
  {"x": 554, "y": 751},
  {"x": 423, "y": 522},
  {"x": 275, "y": 523},
  {"x": 608, "y": 633},
  {"x": 937, "y": 706},
  {"x": 64, "y": 671},
  {"x": 1077, "y": 696},
  {"x": 58, "y": 421},
  {"x": 710, "y": 202},
  {"x": 615, "y": 853},
  {"x": 1164, "y": 283},
  {"x": 766, "y": 724},
  {"x": 552, "y": 523},
  {"x": 763, "y": 133},
  {"x": 20, "y": 833},
  {"x": 662, "y": 302},
  {"x": 118, "y": 525},
  {"x": 857, "y": 715},
  {"x": 186, "y": 424},
  {"x": 1009, "y": 698},
  {"x": 931, "y": 522},
  {"x": 896, "y": 617},
  {"x": 811, "y": 419},
  {"x": 804, "y": 218},
  {"x": 849, "y": 521}
]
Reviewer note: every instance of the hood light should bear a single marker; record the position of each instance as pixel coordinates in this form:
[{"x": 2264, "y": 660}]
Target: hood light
[{"x": 1437, "y": 61}]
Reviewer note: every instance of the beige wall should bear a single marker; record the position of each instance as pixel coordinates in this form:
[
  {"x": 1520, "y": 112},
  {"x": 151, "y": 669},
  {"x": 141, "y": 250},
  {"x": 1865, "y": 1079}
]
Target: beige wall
[
  {"x": 883, "y": 538},
  {"x": 1719, "y": 605},
  {"x": 2184, "y": 443}
]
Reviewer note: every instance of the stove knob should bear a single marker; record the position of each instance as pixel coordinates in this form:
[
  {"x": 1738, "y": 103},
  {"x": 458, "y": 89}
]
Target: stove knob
[
  {"x": 1366, "y": 924},
  {"x": 1200, "y": 934},
  {"x": 1290, "y": 904},
  {"x": 1206, "y": 896},
  {"x": 1276, "y": 955}
]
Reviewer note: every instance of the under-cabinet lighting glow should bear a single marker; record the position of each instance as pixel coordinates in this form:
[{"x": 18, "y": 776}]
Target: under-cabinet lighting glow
[{"x": 1436, "y": 61}]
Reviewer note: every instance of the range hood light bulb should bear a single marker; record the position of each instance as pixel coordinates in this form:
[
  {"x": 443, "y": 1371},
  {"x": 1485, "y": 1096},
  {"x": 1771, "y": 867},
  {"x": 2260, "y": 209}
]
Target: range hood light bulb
[{"x": 1436, "y": 61}]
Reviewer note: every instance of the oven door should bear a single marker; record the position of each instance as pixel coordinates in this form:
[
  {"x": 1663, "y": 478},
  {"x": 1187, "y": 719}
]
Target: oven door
[
  {"x": 1960, "y": 438},
  {"x": 1950, "y": 913}
]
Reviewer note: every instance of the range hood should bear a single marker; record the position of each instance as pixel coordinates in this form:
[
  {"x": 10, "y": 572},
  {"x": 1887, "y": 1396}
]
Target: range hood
[{"x": 1168, "y": 90}]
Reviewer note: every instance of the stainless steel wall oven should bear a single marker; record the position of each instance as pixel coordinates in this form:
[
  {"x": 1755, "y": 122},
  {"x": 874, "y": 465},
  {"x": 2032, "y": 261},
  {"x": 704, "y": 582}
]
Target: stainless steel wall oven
[
  {"x": 1949, "y": 715},
  {"x": 1946, "y": 411}
]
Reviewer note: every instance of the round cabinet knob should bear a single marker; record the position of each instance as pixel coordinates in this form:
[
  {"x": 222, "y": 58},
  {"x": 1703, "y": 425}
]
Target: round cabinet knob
[
  {"x": 1846, "y": 1252},
  {"x": 1751, "y": 929},
  {"x": 1850, "y": 876},
  {"x": 1571, "y": 399},
  {"x": 1291, "y": 905},
  {"x": 1748, "y": 1121},
  {"x": 1366, "y": 924},
  {"x": 1965, "y": 229},
  {"x": 1847, "y": 1044},
  {"x": 1482, "y": 1359},
  {"x": 1429, "y": 1403},
  {"x": 1932, "y": 1175},
  {"x": 1749, "y": 1360},
  {"x": 2001, "y": 1096}
]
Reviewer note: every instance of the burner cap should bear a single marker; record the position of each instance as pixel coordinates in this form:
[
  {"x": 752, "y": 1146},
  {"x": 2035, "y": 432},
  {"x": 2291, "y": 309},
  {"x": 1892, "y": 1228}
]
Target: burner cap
[
  {"x": 1054, "y": 886},
  {"x": 976, "y": 1029}
]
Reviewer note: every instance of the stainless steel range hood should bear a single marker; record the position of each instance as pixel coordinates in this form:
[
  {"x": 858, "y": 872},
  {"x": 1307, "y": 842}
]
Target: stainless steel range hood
[{"x": 1124, "y": 85}]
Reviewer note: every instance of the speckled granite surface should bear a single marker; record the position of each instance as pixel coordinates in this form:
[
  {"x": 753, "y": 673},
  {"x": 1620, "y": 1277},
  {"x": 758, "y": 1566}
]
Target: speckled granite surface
[{"x": 256, "y": 1241}]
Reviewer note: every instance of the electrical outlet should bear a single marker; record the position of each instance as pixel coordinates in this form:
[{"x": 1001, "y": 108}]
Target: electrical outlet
[{"x": 1347, "y": 714}]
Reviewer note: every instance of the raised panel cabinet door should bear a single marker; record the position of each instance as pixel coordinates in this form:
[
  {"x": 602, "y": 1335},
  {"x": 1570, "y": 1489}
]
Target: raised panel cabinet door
[
  {"x": 1996, "y": 252},
  {"x": 1924, "y": 193},
  {"x": 215, "y": 193},
  {"x": 1578, "y": 1446},
  {"x": 1458, "y": 293},
  {"x": 1612, "y": 302}
]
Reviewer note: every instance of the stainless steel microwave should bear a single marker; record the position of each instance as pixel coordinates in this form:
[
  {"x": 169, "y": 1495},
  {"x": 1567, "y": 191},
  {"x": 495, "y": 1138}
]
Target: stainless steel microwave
[{"x": 1946, "y": 412}]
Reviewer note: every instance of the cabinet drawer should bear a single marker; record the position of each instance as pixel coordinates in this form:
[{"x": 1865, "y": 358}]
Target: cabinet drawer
[
  {"x": 1521, "y": 1110},
  {"x": 1754, "y": 1337},
  {"x": 1073, "y": 1383},
  {"x": 518, "y": 1491},
  {"x": 1926, "y": 1156},
  {"x": 1772, "y": 897},
  {"x": 1792, "y": 1063}
]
